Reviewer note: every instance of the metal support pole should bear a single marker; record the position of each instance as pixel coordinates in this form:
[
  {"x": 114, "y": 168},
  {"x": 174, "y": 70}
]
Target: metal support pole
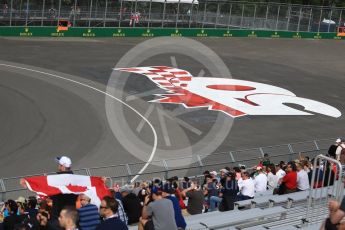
[
  {"x": 288, "y": 21},
  {"x": 318, "y": 29},
  {"x": 330, "y": 18},
  {"x": 215, "y": 25},
  {"x": 135, "y": 11},
  {"x": 42, "y": 15},
  {"x": 11, "y": 12},
  {"x": 120, "y": 18},
  {"x": 164, "y": 12},
  {"x": 230, "y": 12},
  {"x": 266, "y": 18},
  {"x": 190, "y": 16},
  {"x": 254, "y": 17},
  {"x": 177, "y": 14},
  {"x": 203, "y": 20},
  {"x": 90, "y": 14},
  {"x": 278, "y": 13},
  {"x": 242, "y": 16},
  {"x": 340, "y": 17},
  {"x": 75, "y": 12},
  {"x": 299, "y": 19},
  {"x": 105, "y": 13},
  {"x": 309, "y": 23},
  {"x": 59, "y": 11},
  {"x": 148, "y": 24}
]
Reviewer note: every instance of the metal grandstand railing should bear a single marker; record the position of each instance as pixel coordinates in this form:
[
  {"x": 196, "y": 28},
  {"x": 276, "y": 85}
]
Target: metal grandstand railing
[
  {"x": 123, "y": 173},
  {"x": 327, "y": 182},
  {"x": 153, "y": 13}
]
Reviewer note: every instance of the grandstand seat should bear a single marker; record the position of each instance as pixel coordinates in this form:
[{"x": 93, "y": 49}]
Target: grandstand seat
[{"x": 228, "y": 219}]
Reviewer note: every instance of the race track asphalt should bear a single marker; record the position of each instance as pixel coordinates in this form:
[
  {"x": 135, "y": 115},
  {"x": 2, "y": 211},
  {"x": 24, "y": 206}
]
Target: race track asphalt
[{"x": 43, "y": 115}]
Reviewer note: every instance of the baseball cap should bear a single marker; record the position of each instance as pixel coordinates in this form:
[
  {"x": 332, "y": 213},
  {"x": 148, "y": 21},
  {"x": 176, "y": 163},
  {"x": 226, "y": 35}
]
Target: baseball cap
[
  {"x": 21, "y": 199},
  {"x": 338, "y": 140},
  {"x": 258, "y": 168},
  {"x": 224, "y": 170},
  {"x": 64, "y": 161},
  {"x": 213, "y": 173}
]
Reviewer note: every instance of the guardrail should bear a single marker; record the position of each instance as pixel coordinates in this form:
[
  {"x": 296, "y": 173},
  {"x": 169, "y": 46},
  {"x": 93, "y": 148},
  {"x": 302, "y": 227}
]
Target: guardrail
[
  {"x": 154, "y": 32},
  {"x": 123, "y": 173}
]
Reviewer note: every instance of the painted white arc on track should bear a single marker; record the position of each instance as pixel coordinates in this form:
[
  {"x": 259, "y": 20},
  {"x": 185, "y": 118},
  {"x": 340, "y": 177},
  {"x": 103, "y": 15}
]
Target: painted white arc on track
[{"x": 154, "y": 148}]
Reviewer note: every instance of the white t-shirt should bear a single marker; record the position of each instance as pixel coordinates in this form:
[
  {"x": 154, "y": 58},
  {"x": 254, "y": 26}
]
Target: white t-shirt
[
  {"x": 260, "y": 183},
  {"x": 280, "y": 174},
  {"x": 302, "y": 180},
  {"x": 272, "y": 181},
  {"x": 247, "y": 187},
  {"x": 338, "y": 151}
]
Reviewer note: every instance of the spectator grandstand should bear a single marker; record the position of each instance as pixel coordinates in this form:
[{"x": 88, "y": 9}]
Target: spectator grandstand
[{"x": 230, "y": 197}]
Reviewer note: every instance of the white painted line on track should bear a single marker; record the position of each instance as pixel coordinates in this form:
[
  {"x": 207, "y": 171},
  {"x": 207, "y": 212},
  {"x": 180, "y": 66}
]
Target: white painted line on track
[{"x": 111, "y": 96}]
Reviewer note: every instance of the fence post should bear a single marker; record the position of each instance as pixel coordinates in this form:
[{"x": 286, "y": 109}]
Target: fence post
[
  {"x": 318, "y": 29},
  {"x": 291, "y": 151},
  {"x": 129, "y": 172},
  {"x": 330, "y": 18},
  {"x": 148, "y": 24},
  {"x": 299, "y": 19},
  {"x": 201, "y": 165},
  {"x": 164, "y": 12},
  {"x": 59, "y": 11},
  {"x": 278, "y": 13},
  {"x": 230, "y": 12},
  {"x": 311, "y": 12},
  {"x": 289, "y": 16},
  {"x": 3, "y": 190},
  {"x": 105, "y": 13},
  {"x": 266, "y": 18},
  {"x": 242, "y": 16},
  {"x": 232, "y": 157},
  {"x": 316, "y": 145},
  {"x": 177, "y": 13},
  {"x": 90, "y": 14},
  {"x": 340, "y": 17},
  {"x": 74, "y": 12},
  {"x": 165, "y": 164},
  {"x": 262, "y": 152},
  {"x": 42, "y": 14},
  {"x": 121, "y": 11},
  {"x": 217, "y": 16},
  {"x": 254, "y": 17},
  {"x": 204, "y": 17}
]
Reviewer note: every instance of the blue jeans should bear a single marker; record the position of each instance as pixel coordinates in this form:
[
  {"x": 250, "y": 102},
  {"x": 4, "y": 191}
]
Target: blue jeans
[{"x": 214, "y": 202}]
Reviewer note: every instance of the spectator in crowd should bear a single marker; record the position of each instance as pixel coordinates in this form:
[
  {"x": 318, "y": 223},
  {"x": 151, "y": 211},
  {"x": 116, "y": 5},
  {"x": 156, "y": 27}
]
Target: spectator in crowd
[
  {"x": 272, "y": 178},
  {"x": 195, "y": 198},
  {"x": 32, "y": 207},
  {"x": 318, "y": 175},
  {"x": 160, "y": 210},
  {"x": 288, "y": 183},
  {"x": 210, "y": 189},
  {"x": 336, "y": 214},
  {"x": 238, "y": 173},
  {"x": 88, "y": 214},
  {"x": 260, "y": 181},
  {"x": 302, "y": 178},
  {"x": 62, "y": 200},
  {"x": 266, "y": 160},
  {"x": 108, "y": 210},
  {"x": 131, "y": 205},
  {"x": 246, "y": 187},
  {"x": 340, "y": 151},
  {"x": 179, "y": 219},
  {"x": 68, "y": 218},
  {"x": 333, "y": 148},
  {"x": 280, "y": 172},
  {"x": 137, "y": 188},
  {"x": 43, "y": 221},
  {"x": 185, "y": 183},
  {"x": 12, "y": 219},
  {"x": 229, "y": 192}
]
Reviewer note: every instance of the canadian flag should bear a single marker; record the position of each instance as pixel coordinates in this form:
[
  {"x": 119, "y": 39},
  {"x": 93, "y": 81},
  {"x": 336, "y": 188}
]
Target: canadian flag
[{"x": 93, "y": 187}]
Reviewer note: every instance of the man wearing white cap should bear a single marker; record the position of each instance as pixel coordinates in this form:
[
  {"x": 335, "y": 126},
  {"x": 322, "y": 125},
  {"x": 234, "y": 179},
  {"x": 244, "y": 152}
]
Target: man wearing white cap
[
  {"x": 260, "y": 181},
  {"x": 62, "y": 200},
  {"x": 338, "y": 152},
  {"x": 333, "y": 148}
]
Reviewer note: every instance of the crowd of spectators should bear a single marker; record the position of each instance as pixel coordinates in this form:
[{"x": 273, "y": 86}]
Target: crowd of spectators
[{"x": 161, "y": 204}]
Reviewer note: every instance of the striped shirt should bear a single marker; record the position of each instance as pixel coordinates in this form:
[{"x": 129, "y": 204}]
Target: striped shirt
[
  {"x": 121, "y": 214},
  {"x": 89, "y": 217}
]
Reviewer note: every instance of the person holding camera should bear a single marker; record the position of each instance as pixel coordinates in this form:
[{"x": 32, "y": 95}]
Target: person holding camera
[
  {"x": 195, "y": 198},
  {"x": 158, "y": 213}
]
